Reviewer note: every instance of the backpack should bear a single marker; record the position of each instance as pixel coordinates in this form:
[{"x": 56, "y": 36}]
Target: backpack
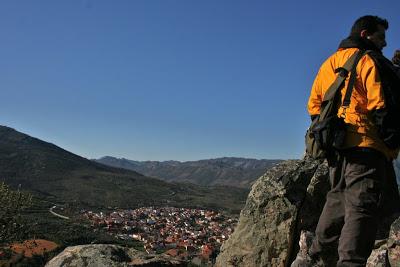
[
  {"x": 388, "y": 119},
  {"x": 327, "y": 131}
]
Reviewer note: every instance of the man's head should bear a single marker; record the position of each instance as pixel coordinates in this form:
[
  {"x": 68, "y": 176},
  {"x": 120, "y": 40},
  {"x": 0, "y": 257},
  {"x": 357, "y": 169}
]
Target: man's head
[
  {"x": 396, "y": 58},
  {"x": 371, "y": 28}
]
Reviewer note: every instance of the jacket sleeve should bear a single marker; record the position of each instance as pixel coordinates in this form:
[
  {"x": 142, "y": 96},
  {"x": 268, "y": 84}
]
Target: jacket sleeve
[{"x": 315, "y": 99}]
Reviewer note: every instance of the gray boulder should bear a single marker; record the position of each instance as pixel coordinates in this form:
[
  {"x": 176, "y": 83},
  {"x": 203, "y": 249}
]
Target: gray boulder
[
  {"x": 102, "y": 255},
  {"x": 268, "y": 225},
  {"x": 393, "y": 244}
]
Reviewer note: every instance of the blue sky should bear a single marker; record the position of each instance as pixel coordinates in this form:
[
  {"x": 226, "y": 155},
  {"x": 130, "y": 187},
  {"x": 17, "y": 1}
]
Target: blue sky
[{"x": 170, "y": 79}]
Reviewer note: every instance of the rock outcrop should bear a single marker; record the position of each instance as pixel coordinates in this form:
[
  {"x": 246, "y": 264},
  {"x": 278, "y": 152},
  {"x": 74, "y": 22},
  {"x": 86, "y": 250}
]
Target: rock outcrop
[
  {"x": 281, "y": 213},
  {"x": 101, "y": 255},
  {"x": 386, "y": 251},
  {"x": 269, "y": 222}
]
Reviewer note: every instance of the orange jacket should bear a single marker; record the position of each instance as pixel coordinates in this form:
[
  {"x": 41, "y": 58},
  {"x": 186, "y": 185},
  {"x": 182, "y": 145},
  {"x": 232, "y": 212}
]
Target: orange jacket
[{"x": 367, "y": 95}]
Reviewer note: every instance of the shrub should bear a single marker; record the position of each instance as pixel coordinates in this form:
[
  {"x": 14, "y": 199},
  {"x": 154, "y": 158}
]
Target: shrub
[{"x": 12, "y": 202}]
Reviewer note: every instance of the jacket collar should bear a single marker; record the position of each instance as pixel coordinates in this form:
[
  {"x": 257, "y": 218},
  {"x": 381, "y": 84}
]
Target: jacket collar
[{"x": 358, "y": 42}]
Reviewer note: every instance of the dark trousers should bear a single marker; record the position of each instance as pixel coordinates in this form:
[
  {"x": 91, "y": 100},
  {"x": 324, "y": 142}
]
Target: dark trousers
[{"x": 349, "y": 218}]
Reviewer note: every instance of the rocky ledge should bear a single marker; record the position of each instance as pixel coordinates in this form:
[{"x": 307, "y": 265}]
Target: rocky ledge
[{"x": 102, "y": 255}]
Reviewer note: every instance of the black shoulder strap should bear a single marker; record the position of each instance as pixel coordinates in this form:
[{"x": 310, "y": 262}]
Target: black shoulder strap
[
  {"x": 343, "y": 73},
  {"x": 353, "y": 75}
]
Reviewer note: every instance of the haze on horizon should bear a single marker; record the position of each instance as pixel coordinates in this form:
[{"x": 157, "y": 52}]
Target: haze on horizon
[{"x": 171, "y": 80}]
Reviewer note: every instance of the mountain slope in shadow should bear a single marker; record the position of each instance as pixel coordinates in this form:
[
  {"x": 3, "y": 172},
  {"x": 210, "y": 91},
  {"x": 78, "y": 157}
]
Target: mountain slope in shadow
[{"x": 50, "y": 171}]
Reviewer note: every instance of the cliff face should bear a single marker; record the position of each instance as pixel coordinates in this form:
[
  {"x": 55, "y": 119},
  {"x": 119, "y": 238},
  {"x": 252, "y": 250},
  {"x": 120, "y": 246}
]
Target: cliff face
[{"x": 282, "y": 209}]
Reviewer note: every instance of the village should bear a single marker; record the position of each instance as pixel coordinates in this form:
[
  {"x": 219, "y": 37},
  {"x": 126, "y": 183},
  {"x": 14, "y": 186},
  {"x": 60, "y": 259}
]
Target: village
[{"x": 188, "y": 234}]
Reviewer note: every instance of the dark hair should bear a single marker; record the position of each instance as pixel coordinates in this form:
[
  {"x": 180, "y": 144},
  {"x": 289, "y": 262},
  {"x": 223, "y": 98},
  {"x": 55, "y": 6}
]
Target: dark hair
[
  {"x": 368, "y": 23},
  {"x": 396, "y": 57}
]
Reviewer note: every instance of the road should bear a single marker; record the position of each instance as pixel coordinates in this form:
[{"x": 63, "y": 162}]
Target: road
[{"x": 56, "y": 214}]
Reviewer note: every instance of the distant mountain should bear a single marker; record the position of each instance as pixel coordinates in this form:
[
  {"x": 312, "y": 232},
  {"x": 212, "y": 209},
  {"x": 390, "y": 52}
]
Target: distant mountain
[
  {"x": 54, "y": 173},
  {"x": 238, "y": 172}
]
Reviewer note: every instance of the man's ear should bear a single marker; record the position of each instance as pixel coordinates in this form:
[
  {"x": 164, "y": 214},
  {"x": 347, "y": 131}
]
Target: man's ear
[{"x": 363, "y": 34}]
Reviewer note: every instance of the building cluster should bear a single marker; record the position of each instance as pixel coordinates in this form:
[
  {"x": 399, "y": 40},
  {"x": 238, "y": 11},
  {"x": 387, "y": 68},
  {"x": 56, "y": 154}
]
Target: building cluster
[{"x": 180, "y": 232}]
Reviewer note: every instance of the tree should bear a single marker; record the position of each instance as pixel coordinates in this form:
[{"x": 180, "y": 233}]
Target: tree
[{"x": 12, "y": 202}]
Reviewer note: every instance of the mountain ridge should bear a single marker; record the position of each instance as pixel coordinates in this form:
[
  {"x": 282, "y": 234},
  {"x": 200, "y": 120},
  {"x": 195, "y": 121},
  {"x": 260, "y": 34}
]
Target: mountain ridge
[
  {"x": 233, "y": 171},
  {"x": 49, "y": 171}
]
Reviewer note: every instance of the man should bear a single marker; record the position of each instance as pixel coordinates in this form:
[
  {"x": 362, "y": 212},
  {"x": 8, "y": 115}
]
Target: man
[
  {"x": 396, "y": 61},
  {"x": 396, "y": 58},
  {"x": 358, "y": 171}
]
